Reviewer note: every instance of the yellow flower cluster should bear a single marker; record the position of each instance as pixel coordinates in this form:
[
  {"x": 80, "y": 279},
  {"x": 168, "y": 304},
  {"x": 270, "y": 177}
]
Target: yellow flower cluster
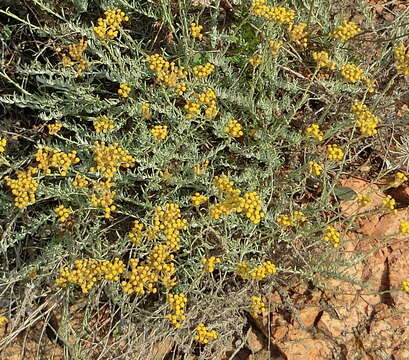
[
  {"x": 208, "y": 99},
  {"x": 352, "y": 73},
  {"x": 297, "y": 217},
  {"x": 109, "y": 158},
  {"x": 109, "y": 25},
  {"x": 389, "y": 204},
  {"x": 314, "y": 168},
  {"x": 399, "y": 178},
  {"x": 23, "y": 188},
  {"x": 140, "y": 279},
  {"x": 199, "y": 169},
  {"x": 198, "y": 199},
  {"x": 297, "y": 34},
  {"x": 365, "y": 120},
  {"x": 405, "y": 286},
  {"x": 146, "y": 111},
  {"x": 257, "y": 273},
  {"x": 80, "y": 181},
  {"x": 63, "y": 213},
  {"x": 234, "y": 129},
  {"x": 332, "y": 236},
  {"x": 49, "y": 158},
  {"x": 404, "y": 227},
  {"x": 257, "y": 306},
  {"x": 87, "y": 272},
  {"x": 103, "y": 197},
  {"x": 103, "y": 124},
  {"x": 144, "y": 275},
  {"x": 278, "y": 14},
  {"x": 401, "y": 54},
  {"x": 180, "y": 88},
  {"x": 192, "y": 108},
  {"x": 314, "y": 130},
  {"x": 54, "y": 128},
  {"x": 347, "y": 30},
  {"x": 203, "y": 336},
  {"x": 323, "y": 61},
  {"x": 256, "y": 60},
  {"x": 275, "y": 46},
  {"x": 210, "y": 263},
  {"x": 3, "y": 320},
  {"x": 231, "y": 202},
  {"x": 3, "y": 143},
  {"x": 76, "y": 55},
  {"x": 177, "y": 302},
  {"x": 335, "y": 152},
  {"x": 203, "y": 71},
  {"x": 167, "y": 73},
  {"x": 124, "y": 90},
  {"x": 252, "y": 207},
  {"x": 159, "y": 132},
  {"x": 136, "y": 234},
  {"x": 363, "y": 200},
  {"x": 196, "y": 29},
  {"x": 169, "y": 220}
]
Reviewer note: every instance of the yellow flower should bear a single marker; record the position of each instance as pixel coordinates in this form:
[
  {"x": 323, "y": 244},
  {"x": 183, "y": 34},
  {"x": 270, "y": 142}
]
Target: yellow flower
[
  {"x": 234, "y": 129},
  {"x": 314, "y": 168},
  {"x": 109, "y": 25},
  {"x": 198, "y": 199},
  {"x": 258, "y": 306},
  {"x": 275, "y": 46},
  {"x": 335, "y": 152},
  {"x": 365, "y": 120},
  {"x": 210, "y": 263},
  {"x": 363, "y": 200},
  {"x": 203, "y": 335},
  {"x": 404, "y": 227},
  {"x": 332, "y": 236},
  {"x": 401, "y": 54},
  {"x": 103, "y": 124},
  {"x": 196, "y": 31},
  {"x": 124, "y": 90},
  {"x": 203, "y": 71},
  {"x": 159, "y": 132},
  {"x": 323, "y": 61},
  {"x": 256, "y": 60},
  {"x": 63, "y": 213},
  {"x": 54, "y": 128},
  {"x": 352, "y": 73},
  {"x": 405, "y": 286},
  {"x": 347, "y": 30},
  {"x": 389, "y": 204},
  {"x": 314, "y": 130},
  {"x": 3, "y": 143},
  {"x": 297, "y": 34}
]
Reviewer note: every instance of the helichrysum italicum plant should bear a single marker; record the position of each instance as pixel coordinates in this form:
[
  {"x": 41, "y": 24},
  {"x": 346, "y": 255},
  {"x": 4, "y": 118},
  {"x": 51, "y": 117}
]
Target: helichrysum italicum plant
[
  {"x": 126, "y": 208},
  {"x": 389, "y": 204}
]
